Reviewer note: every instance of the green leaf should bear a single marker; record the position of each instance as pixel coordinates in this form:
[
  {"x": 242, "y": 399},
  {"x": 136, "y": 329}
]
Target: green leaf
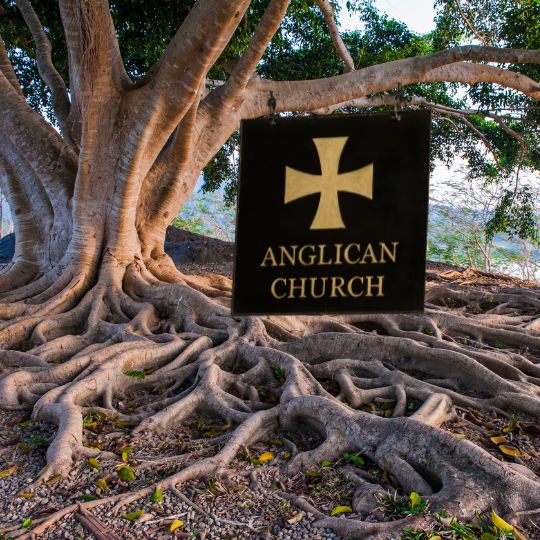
[
  {"x": 132, "y": 516},
  {"x": 325, "y": 463},
  {"x": 137, "y": 374},
  {"x": 126, "y": 473},
  {"x": 157, "y": 496},
  {"x": 353, "y": 458},
  {"x": 26, "y": 523}
]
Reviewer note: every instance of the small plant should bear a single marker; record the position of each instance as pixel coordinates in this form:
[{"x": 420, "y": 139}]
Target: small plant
[
  {"x": 397, "y": 506},
  {"x": 36, "y": 441},
  {"x": 464, "y": 340},
  {"x": 279, "y": 373},
  {"x": 500, "y": 344},
  {"x": 137, "y": 374}
]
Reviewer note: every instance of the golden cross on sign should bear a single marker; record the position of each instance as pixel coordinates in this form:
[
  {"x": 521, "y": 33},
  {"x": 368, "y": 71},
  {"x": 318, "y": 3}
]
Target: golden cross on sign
[{"x": 299, "y": 184}]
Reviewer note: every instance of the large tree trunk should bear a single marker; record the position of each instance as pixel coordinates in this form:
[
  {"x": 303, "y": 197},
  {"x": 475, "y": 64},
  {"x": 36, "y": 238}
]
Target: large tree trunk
[{"x": 91, "y": 294}]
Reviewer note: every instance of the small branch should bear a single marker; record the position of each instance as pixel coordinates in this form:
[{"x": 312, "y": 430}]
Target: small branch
[
  {"x": 328, "y": 13},
  {"x": 47, "y": 71},
  {"x": 94, "y": 525},
  {"x": 468, "y": 22}
]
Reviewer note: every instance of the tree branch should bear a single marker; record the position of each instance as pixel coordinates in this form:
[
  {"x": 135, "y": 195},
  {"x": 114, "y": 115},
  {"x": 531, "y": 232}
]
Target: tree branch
[
  {"x": 328, "y": 13},
  {"x": 446, "y": 65},
  {"x": 391, "y": 100},
  {"x": 47, "y": 71},
  {"x": 247, "y": 63},
  {"x": 177, "y": 76},
  {"x": 7, "y": 69},
  {"x": 95, "y": 63},
  {"x": 468, "y": 22},
  {"x": 173, "y": 83},
  {"x": 36, "y": 140}
]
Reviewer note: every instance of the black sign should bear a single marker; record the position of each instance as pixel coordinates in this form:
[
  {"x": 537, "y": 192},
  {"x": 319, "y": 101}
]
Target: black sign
[{"x": 332, "y": 214}]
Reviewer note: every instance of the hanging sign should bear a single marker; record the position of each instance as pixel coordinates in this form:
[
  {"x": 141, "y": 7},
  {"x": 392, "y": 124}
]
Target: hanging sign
[{"x": 332, "y": 214}]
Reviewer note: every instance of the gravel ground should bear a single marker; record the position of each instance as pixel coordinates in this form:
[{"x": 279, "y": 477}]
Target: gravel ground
[{"x": 248, "y": 513}]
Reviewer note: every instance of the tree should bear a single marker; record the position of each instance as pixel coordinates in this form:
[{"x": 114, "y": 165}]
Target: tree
[{"x": 91, "y": 296}]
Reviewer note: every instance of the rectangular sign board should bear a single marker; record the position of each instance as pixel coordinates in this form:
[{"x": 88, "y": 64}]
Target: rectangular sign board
[{"x": 332, "y": 214}]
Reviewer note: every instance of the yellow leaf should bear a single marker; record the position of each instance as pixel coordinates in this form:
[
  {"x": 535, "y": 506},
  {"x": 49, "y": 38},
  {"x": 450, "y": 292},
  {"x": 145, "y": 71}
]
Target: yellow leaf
[
  {"x": 388, "y": 413},
  {"x": 435, "y": 538},
  {"x": 3, "y": 474},
  {"x": 296, "y": 518},
  {"x": 26, "y": 495},
  {"x": 266, "y": 456},
  {"x": 500, "y": 523},
  {"x": 125, "y": 453},
  {"x": 509, "y": 450},
  {"x": 518, "y": 535},
  {"x": 415, "y": 499},
  {"x": 276, "y": 442},
  {"x": 459, "y": 435},
  {"x": 340, "y": 510},
  {"x": 94, "y": 463},
  {"x": 176, "y": 524},
  {"x": 54, "y": 479},
  {"x": 287, "y": 455},
  {"x": 498, "y": 440},
  {"x": 101, "y": 484},
  {"x": 507, "y": 429}
]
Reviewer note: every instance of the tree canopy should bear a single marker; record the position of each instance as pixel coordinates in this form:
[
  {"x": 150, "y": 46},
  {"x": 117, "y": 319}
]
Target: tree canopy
[{"x": 494, "y": 128}]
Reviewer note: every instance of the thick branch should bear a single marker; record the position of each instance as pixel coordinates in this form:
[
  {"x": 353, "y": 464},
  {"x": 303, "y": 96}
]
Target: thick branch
[
  {"x": 328, "y": 13},
  {"x": 180, "y": 72},
  {"x": 36, "y": 140},
  {"x": 47, "y": 71},
  {"x": 95, "y": 63},
  {"x": 7, "y": 68},
  {"x": 447, "y": 65},
  {"x": 247, "y": 63}
]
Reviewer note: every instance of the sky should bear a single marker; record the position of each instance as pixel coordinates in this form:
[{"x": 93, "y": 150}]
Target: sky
[{"x": 416, "y": 14}]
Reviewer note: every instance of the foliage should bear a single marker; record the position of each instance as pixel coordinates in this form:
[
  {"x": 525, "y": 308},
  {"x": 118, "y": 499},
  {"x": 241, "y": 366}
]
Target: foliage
[
  {"x": 209, "y": 214},
  {"x": 476, "y": 225},
  {"x": 302, "y": 49}
]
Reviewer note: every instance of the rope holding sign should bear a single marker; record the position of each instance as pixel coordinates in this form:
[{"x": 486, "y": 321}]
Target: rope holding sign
[
  {"x": 398, "y": 103},
  {"x": 272, "y": 104}
]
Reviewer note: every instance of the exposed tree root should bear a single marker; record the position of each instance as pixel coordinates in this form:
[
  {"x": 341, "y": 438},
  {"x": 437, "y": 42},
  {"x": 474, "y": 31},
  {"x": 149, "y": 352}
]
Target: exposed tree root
[{"x": 69, "y": 348}]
